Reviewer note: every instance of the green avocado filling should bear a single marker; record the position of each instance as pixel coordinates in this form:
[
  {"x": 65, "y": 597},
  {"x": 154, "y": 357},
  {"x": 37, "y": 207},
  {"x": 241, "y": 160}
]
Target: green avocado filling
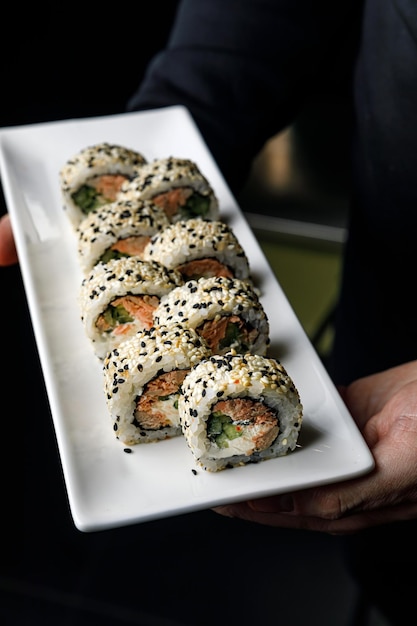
[
  {"x": 221, "y": 429},
  {"x": 231, "y": 336},
  {"x": 170, "y": 396},
  {"x": 111, "y": 254},
  {"x": 114, "y": 315},
  {"x": 88, "y": 198},
  {"x": 196, "y": 206}
]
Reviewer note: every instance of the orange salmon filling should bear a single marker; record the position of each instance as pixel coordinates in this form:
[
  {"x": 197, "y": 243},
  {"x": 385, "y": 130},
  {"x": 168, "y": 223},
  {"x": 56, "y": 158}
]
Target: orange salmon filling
[
  {"x": 204, "y": 268},
  {"x": 245, "y": 412},
  {"x": 135, "y": 308},
  {"x": 219, "y": 337},
  {"x": 157, "y": 406},
  {"x": 173, "y": 199},
  {"x": 108, "y": 185},
  {"x": 131, "y": 246}
]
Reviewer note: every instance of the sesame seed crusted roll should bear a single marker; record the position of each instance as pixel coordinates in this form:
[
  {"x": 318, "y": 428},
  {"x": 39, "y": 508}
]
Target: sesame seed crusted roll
[
  {"x": 118, "y": 298},
  {"x": 199, "y": 248},
  {"x": 122, "y": 228},
  {"x": 142, "y": 378},
  {"x": 93, "y": 177},
  {"x": 178, "y": 186},
  {"x": 238, "y": 409},
  {"x": 225, "y": 311}
]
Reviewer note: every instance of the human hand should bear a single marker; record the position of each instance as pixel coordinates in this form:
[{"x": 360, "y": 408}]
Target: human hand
[
  {"x": 384, "y": 407},
  {"x": 8, "y": 253}
]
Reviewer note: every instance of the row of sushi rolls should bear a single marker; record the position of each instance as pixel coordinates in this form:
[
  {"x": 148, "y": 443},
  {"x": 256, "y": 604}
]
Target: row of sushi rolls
[{"x": 172, "y": 313}]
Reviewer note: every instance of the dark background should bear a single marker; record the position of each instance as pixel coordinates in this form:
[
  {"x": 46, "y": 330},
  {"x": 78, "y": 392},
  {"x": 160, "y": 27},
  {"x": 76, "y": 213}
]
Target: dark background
[
  {"x": 77, "y": 60},
  {"x": 85, "y": 60}
]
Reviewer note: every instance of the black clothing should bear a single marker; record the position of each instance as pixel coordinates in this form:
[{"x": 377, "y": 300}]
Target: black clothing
[{"x": 245, "y": 69}]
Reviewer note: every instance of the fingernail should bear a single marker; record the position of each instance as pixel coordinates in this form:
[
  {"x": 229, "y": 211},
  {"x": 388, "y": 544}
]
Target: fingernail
[{"x": 223, "y": 510}]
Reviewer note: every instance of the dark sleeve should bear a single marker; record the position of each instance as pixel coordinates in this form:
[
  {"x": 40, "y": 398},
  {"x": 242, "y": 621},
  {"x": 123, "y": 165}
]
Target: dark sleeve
[{"x": 243, "y": 68}]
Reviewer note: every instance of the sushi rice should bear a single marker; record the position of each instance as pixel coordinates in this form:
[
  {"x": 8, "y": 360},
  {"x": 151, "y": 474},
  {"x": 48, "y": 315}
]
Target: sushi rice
[
  {"x": 176, "y": 184},
  {"x": 259, "y": 390},
  {"x": 227, "y": 312},
  {"x": 133, "y": 366},
  {"x": 188, "y": 358},
  {"x": 102, "y": 293},
  {"x": 81, "y": 175},
  {"x": 121, "y": 228},
  {"x": 197, "y": 247}
]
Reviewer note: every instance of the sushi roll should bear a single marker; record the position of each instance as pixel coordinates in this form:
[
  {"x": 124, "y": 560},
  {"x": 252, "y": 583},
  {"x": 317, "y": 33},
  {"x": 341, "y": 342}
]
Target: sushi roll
[
  {"x": 142, "y": 378},
  {"x": 177, "y": 185},
  {"x": 199, "y": 248},
  {"x": 122, "y": 228},
  {"x": 226, "y": 312},
  {"x": 94, "y": 176},
  {"x": 236, "y": 409},
  {"x": 118, "y": 298}
]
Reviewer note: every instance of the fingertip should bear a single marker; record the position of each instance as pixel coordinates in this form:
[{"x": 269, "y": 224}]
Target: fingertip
[
  {"x": 8, "y": 252},
  {"x": 223, "y": 510}
]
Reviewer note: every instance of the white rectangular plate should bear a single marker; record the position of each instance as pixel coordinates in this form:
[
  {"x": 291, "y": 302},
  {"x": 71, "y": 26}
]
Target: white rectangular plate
[{"x": 107, "y": 487}]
